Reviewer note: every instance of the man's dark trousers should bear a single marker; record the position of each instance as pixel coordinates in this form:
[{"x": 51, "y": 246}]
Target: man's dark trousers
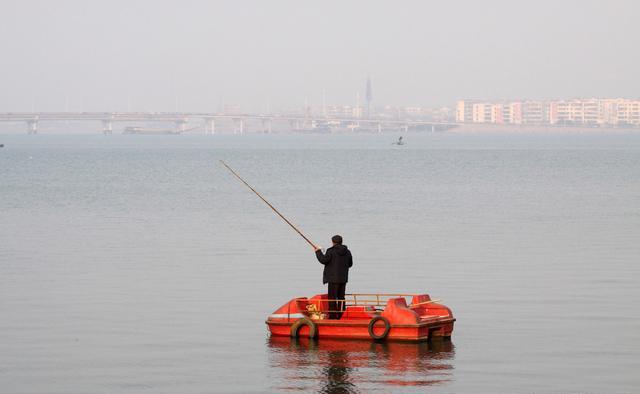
[{"x": 336, "y": 292}]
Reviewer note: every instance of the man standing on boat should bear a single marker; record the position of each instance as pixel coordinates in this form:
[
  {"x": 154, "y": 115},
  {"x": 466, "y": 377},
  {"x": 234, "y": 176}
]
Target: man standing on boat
[{"x": 337, "y": 261}]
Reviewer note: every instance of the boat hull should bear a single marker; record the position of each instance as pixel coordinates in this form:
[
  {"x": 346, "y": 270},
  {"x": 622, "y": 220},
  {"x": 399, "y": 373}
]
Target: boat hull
[
  {"x": 358, "y": 329},
  {"x": 421, "y": 320}
]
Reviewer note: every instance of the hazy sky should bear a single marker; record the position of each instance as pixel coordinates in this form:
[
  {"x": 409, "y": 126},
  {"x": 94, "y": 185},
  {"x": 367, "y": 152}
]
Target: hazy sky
[{"x": 199, "y": 55}]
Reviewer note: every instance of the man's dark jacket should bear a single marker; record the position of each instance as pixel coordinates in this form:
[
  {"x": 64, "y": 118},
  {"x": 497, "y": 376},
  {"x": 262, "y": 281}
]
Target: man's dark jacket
[{"x": 336, "y": 262}]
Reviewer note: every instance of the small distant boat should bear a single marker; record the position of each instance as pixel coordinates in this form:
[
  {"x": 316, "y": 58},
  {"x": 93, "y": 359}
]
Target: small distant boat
[
  {"x": 315, "y": 127},
  {"x": 152, "y": 131},
  {"x": 366, "y": 316},
  {"x": 148, "y": 131},
  {"x": 399, "y": 142}
]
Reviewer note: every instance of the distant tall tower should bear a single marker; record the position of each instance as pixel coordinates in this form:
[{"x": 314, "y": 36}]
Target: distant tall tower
[{"x": 369, "y": 96}]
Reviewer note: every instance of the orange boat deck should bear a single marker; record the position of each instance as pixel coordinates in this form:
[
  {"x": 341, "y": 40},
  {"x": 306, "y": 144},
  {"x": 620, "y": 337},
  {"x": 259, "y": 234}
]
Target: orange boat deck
[{"x": 366, "y": 316}]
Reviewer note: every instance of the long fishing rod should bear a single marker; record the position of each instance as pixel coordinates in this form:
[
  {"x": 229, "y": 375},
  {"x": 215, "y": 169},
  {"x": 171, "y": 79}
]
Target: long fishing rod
[{"x": 269, "y": 204}]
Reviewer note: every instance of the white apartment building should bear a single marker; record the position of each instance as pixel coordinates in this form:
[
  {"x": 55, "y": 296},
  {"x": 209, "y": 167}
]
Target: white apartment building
[
  {"x": 578, "y": 111},
  {"x": 628, "y": 112}
]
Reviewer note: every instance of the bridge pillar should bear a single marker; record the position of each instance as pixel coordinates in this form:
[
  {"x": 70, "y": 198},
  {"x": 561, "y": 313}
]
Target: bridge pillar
[
  {"x": 209, "y": 126},
  {"x": 238, "y": 126},
  {"x": 107, "y": 127},
  {"x": 379, "y": 128},
  {"x": 32, "y": 126},
  {"x": 406, "y": 127},
  {"x": 181, "y": 126},
  {"x": 266, "y": 126},
  {"x": 433, "y": 128}
]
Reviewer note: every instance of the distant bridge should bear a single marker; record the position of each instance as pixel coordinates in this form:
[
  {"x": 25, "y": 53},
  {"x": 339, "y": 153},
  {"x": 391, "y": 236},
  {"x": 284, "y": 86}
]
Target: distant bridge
[{"x": 207, "y": 121}]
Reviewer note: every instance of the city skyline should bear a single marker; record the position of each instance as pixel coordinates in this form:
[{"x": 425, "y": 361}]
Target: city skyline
[
  {"x": 606, "y": 114},
  {"x": 74, "y": 104}
]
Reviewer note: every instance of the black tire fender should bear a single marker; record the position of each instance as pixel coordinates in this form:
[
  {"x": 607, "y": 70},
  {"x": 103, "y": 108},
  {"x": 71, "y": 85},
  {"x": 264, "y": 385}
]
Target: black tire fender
[
  {"x": 304, "y": 321},
  {"x": 387, "y": 327}
]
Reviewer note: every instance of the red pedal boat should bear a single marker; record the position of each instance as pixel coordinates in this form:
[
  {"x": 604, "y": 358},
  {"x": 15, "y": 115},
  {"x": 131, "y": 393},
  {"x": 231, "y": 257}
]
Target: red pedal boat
[{"x": 366, "y": 316}]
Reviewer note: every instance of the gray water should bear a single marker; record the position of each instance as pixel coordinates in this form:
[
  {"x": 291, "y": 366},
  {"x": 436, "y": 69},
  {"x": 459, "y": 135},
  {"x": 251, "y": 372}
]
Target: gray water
[{"x": 136, "y": 264}]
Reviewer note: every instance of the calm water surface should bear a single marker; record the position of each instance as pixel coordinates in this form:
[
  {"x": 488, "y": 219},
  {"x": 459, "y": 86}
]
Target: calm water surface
[{"x": 136, "y": 264}]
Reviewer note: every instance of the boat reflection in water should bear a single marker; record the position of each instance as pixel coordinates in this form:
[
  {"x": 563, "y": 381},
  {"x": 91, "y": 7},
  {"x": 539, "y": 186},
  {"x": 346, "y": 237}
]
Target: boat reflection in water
[{"x": 348, "y": 366}]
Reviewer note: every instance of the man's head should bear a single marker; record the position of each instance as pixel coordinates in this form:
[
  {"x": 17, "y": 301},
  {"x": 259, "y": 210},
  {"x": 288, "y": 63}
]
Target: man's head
[{"x": 336, "y": 239}]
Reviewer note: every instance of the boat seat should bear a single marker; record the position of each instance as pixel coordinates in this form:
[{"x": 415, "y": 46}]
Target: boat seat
[{"x": 355, "y": 312}]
